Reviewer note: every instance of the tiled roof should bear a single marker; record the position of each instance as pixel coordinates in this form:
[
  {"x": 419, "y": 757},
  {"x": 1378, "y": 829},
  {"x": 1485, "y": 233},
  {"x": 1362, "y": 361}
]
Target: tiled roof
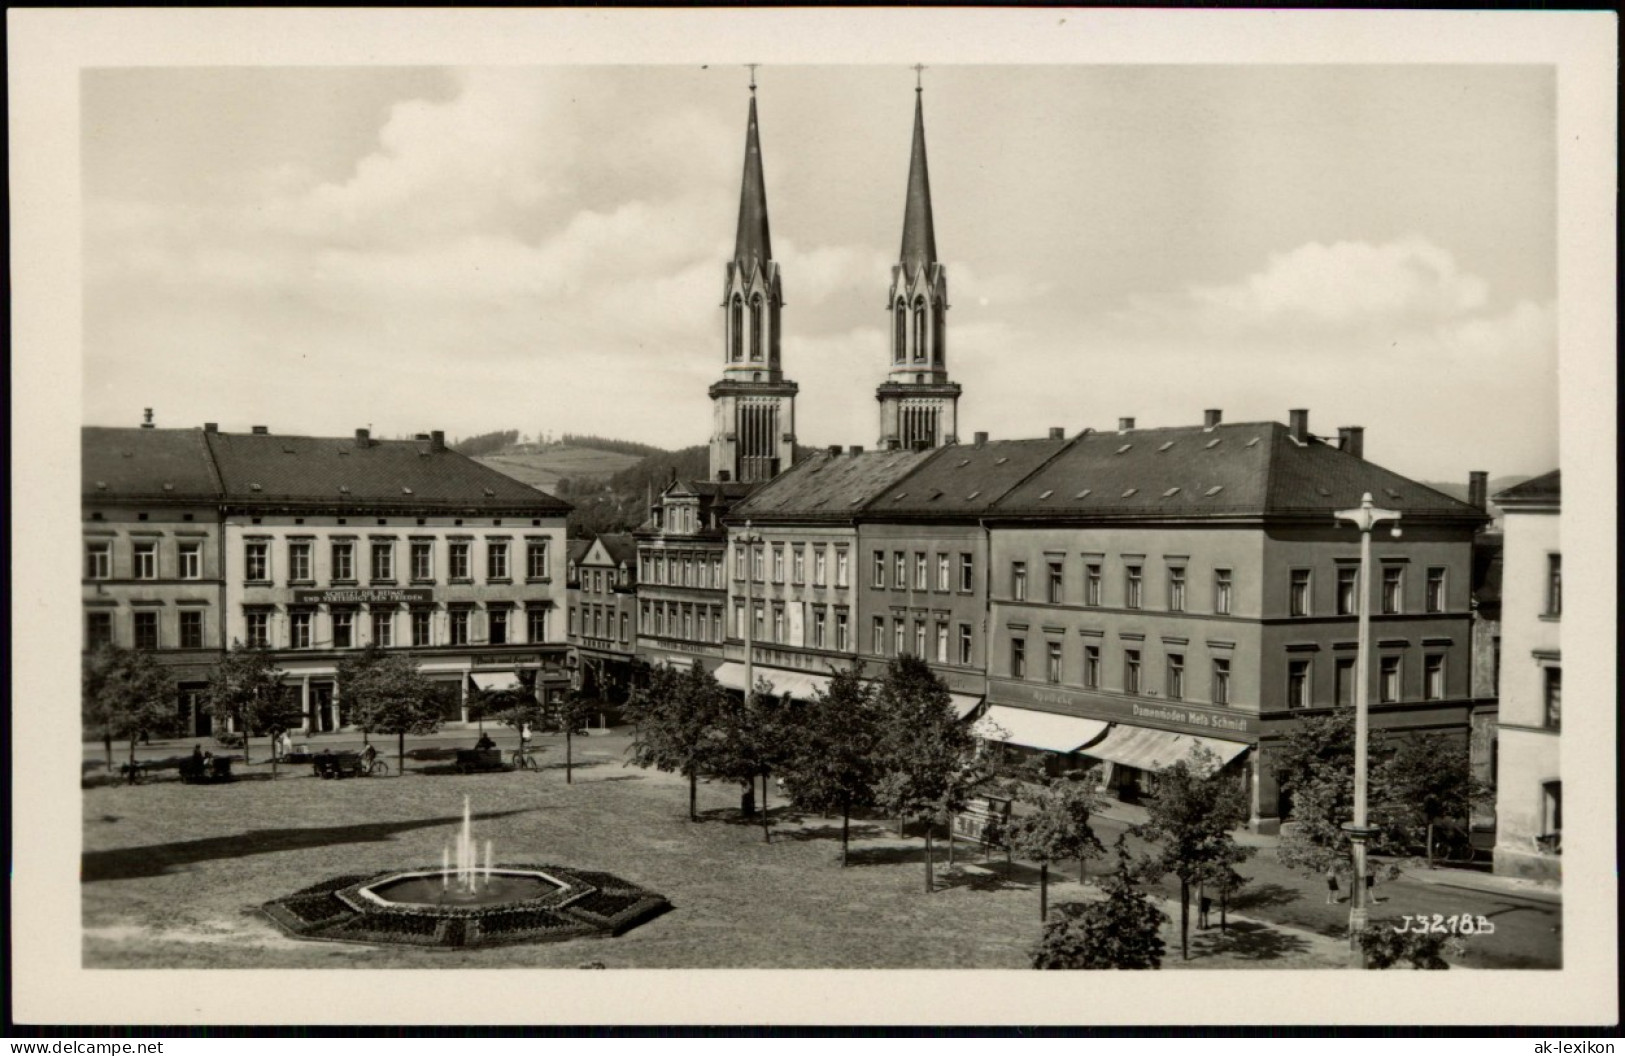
[
  {"x": 171, "y": 464},
  {"x": 828, "y": 487},
  {"x": 726, "y": 489},
  {"x": 963, "y": 479},
  {"x": 576, "y": 549},
  {"x": 621, "y": 547},
  {"x": 1547, "y": 488},
  {"x": 1235, "y": 469},
  {"x": 261, "y": 467}
]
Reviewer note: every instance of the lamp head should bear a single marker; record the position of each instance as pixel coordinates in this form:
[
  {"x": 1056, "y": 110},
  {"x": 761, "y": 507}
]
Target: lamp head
[{"x": 1395, "y": 532}]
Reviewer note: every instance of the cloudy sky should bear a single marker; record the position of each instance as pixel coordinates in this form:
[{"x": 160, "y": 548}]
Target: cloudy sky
[{"x": 469, "y": 249}]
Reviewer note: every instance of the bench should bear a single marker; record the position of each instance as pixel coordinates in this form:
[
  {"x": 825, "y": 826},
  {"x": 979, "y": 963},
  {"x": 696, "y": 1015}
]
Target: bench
[
  {"x": 336, "y": 764},
  {"x": 472, "y": 759},
  {"x": 209, "y": 771}
]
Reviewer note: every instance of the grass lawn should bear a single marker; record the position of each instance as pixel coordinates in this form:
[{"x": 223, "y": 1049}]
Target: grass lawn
[{"x": 173, "y": 875}]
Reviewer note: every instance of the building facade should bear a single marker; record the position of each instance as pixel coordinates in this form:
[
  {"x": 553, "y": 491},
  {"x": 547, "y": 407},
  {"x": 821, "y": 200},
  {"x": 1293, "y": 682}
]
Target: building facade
[
  {"x": 316, "y": 547},
  {"x": 154, "y": 568},
  {"x": 794, "y": 588},
  {"x": 682, "y": 574},
  {"x": 603, "y": 614},
  {"x": 1529, "y": 781}
]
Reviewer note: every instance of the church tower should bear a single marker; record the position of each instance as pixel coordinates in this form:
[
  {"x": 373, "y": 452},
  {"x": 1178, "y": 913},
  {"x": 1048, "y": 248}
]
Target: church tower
[
  {"x": 753, "y": 428},
  {"x": 919, "y": 406}
]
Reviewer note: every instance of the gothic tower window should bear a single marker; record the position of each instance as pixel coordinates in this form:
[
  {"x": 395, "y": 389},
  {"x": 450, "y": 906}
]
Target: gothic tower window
[
  {"x": 937, "y": 335},
  {"x": 920, "y": 336},
  {"x": 736, "y": 326},
  {"x": 900, "y": 353},
  {"x": 756, "y": 328}
]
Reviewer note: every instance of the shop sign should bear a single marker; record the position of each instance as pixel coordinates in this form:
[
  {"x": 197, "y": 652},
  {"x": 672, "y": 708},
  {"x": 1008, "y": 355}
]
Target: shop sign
[
  {"x": 1185, "y": 718},
  {"x": 362, "y": 596}
]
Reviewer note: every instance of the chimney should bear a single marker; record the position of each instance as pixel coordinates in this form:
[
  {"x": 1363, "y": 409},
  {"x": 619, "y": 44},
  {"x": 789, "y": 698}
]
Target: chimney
[
  {"x": 855, "y": 449},
  {"x": 1478, "y": 489},
  {"x": 723, "y": 476},
  {"x": 1299, "y": 425},
  {"x": 1057, "y": 432},
  {"x": 211, "y": 427},
  {"x": 146, "y": 418},
  {"x": 437, "y": 440},
  {"x": 1211, "y": 417},
  {"x": 1125, "y": 424},
  {"x": 262, "y": 430},
  {"x": 834, "y": 449},
  {"x": 981, "y": 439},
  {"x": 671, "y": 474},
  {"x": 1351, "y": 439}
]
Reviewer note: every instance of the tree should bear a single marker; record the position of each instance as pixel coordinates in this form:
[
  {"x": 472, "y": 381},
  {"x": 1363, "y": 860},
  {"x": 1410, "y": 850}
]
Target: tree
[
  {"x": 388, "y": 694},
  {"x": 570, "y": 715},
  {"x": 246, "y": 688},
  {"x": 1219, "y": 874},
  {"x": 1384, "y": 945},
  {"x": 674, "y": 715},
  {"x": 1428, "y": 780},
  {"x": 1315, "y": 767},
  {"x": 1121, "y": 931},
  {"x": 124, "y": 695},
  {"x": 751, "y": 736},
  {"x": 1191, "y": 815},
  {"x": 925, "y": 752},
  {"x": 831, "y": 765},
  {"x": 1056, "y": 830}
]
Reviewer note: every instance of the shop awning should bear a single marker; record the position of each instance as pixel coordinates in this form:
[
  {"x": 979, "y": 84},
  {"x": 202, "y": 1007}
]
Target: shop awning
[
  {"x": 495, "y": 681},
  {"x": 964, "y": 704},
  {"x": 1156, "y": 750},
  {"x": 1037, "y": 729},
  {"x": 798, "y": 684}
]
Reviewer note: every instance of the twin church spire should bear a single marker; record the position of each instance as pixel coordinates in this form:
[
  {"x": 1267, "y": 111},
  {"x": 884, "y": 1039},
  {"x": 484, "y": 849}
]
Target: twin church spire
[{"x": 753, "y": 428}]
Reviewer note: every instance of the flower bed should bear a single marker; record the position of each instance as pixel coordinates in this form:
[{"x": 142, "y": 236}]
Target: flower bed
[{"x": 585, "y": 903}]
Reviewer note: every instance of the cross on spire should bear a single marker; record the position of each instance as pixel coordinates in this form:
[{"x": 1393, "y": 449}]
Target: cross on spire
[
  {"x": 752, "y": 67},
  {"x": 919, "y": 68}
]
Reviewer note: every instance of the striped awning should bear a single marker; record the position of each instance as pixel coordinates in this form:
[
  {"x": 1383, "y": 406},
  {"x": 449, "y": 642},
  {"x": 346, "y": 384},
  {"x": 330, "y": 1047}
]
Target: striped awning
[
  {"x": 495, "y": 681},
  {"x": 1037, "y": 729},
  {"x": 799, "y": 684},
  {"x": 1156, "y": 750}
]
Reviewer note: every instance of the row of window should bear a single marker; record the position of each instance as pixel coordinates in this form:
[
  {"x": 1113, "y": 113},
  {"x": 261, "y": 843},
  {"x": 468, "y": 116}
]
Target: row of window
[
  {"x": 382, "y": 565},
  {"x": 797, "y": 553},
  {"x": 147, "y": 631},
  {"x": 680, "y": 519},
  {"x": 344, "y": 626},
  {"x": 935, "y": 640},
  {"x": 736, "y": 328},
  {"x": 1300, "y": 675},
  {"x": 682, "y": 570},
  {"x": 922, "y": 565},
  {"x": 597, "y": 621},
  {"x": 144, "y": 562},
  {"x": 922, "y": 334},
  {"x": 1300, "y": 592},
  {"x": 694, "y": 623},
  {"x": 830, "y": 625},
  {"x": 601, "y": 581}
]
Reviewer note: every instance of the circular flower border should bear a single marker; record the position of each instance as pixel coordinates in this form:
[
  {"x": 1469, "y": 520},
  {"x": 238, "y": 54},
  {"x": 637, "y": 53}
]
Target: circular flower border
[{"x": 586, "y": 904}]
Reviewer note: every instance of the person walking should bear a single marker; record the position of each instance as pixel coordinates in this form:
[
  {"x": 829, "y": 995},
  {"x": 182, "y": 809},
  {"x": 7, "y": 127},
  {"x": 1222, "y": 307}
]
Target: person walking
[{"x": 1331, "y": 886}]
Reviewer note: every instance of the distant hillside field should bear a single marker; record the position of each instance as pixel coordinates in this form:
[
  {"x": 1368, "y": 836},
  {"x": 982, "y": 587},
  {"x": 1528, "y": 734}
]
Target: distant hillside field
[{"x": 545, "y": 469}]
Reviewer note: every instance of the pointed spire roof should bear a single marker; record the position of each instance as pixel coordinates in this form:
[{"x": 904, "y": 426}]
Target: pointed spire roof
[
  {"x": 919, "y": 234},
  {"x": 753, "y": 243}
]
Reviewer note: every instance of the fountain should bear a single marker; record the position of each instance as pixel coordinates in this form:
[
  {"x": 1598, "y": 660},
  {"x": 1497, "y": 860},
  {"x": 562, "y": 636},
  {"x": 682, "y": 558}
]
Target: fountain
[{"x": 465, "y": 903}]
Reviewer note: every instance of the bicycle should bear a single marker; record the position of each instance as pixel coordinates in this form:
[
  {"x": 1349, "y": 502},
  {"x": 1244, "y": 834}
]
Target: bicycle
[
  {"x": 524, "y": 760},
  {"x": 379, "y": 768}
]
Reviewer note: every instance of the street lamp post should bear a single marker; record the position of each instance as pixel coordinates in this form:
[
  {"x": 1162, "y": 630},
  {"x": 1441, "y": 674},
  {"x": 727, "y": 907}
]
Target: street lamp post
[{"x": 1365, "y": 517}]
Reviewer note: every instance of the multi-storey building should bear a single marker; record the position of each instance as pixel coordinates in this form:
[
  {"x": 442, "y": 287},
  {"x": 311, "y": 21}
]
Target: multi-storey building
[
  {"x": 1193, "y": 585},
  {"x": 603, "y": 612},
  {"x": 924, "y": 571},
  {"x": 682, "y": 585},
  {"x": 794, "y": 582},
  {"x": 154, "y": 574},
  {"x": 1529, "y": 782},
  {"x": 316, "y": 547}
]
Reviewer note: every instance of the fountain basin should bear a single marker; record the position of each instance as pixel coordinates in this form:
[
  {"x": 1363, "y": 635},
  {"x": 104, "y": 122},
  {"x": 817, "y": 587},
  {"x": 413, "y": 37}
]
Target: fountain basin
[
  {"x": 417, "y": 907},
  {"x": 430, "y": 889}
]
